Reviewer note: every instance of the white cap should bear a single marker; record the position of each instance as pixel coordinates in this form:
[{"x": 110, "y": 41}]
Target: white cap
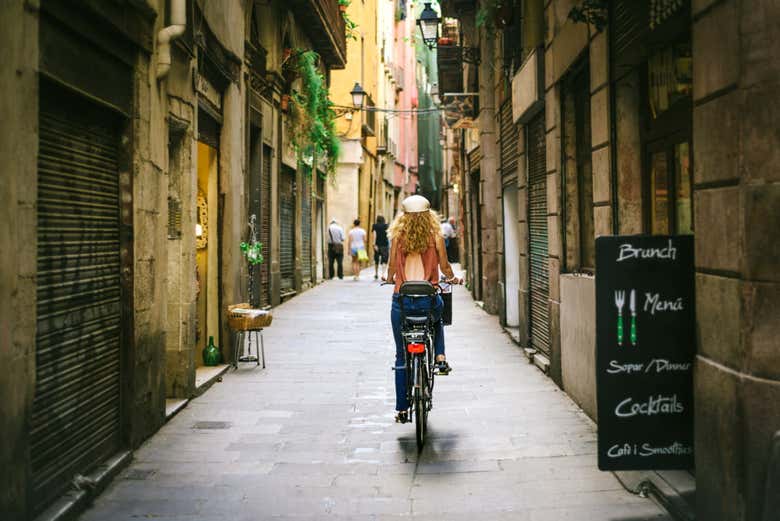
[{"x": 416, "y": 204}]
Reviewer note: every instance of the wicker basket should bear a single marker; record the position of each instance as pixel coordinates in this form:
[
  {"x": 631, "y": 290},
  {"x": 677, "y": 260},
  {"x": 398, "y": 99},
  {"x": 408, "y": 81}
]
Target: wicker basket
[{"x": 240, "y": 322}]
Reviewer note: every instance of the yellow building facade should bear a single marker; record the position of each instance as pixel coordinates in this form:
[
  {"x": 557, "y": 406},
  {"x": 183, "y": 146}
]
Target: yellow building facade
[{"x": 352, "y": 194}]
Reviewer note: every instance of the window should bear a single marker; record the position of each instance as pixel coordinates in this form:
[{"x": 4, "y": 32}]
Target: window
[
  {"x": 512, "y": 38},
  {"x": 667, "y": 137},
  {"x": 580, "y": 240},
  {"x": 670, "y": 202}
]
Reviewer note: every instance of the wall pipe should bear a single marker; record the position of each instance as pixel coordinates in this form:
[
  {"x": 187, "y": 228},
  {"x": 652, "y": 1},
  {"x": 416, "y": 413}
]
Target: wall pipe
[{"x": 168, "y": 34}]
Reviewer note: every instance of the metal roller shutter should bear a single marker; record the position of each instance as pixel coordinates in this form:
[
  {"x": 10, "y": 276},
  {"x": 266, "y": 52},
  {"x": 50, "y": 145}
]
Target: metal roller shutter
[
  {"x": 537, "y": 220},
  {"x": 76, "y": 409},
  {"x": 629, "y": 27},
  {"x": 475, "y": 156},
  {"x": 265, "y": 226},
  {"x": 287, "y": 227},
  {"x": 306, "y": 231},
  {"x": 508, "y": 141}
]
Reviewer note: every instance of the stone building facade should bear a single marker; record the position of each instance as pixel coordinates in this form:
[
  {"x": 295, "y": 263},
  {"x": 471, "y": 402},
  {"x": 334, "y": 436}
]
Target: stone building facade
[
  {"x": 145, "y": 135},
  {"x": 645, "y": 118}
]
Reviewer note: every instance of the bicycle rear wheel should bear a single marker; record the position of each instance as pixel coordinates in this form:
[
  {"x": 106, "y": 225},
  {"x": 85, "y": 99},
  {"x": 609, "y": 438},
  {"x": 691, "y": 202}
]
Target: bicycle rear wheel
[{"x": 420, "y": 406}]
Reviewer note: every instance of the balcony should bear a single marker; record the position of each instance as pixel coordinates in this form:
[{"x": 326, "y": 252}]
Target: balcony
[
  {"x": 398, "y": 74},
  {"x": 325, "y": 28},
  {"x": 450, "y": 61},
  {"x": 458, "y": 8}
]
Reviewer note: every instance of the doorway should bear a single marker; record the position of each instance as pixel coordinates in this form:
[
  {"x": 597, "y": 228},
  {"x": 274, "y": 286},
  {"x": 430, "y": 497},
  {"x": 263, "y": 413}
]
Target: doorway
[
  {"x": 476, "y": 238},
  {"x": 511, "y": 256},
  {"x": 207, "y": 243}
]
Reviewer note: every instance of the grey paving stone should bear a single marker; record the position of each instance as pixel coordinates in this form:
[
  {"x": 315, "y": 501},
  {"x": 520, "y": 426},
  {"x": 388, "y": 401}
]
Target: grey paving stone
[{"x": 313, "y": 437}]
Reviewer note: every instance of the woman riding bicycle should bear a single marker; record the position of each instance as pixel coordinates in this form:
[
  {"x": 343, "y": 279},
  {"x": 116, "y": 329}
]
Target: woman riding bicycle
[{"x": 417, "y": 254}]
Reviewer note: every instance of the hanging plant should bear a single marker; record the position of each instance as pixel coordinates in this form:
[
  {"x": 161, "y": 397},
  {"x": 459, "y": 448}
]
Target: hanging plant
[
  {"x": 253, "y": 252},
  {"x": 350, "y": 27},
  {"x": 312, "y": 119}
]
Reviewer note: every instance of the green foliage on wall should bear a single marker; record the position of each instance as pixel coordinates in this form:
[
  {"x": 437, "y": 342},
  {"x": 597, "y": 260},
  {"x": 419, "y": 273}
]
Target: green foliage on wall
[
  {"x": 351, "y": 26},
  {"x": 313, "y": 121}
]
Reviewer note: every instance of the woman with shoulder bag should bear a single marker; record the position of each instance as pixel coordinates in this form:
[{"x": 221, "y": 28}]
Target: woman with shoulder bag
[{"x": 356, "y": 244}]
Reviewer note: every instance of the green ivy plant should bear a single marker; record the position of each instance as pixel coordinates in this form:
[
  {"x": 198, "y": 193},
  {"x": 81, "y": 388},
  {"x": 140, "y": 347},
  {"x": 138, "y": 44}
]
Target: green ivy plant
[{"x": 313, "y": 121}]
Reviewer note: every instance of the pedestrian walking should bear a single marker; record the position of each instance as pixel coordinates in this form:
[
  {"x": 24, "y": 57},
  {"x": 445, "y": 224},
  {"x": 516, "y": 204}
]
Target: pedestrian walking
[
  {"x": 335, "y": 248},
  {"x": 356, "y": 244},
  {"x": 381, "y": 246},
  {"x": 448, "y": 230},
  {"x": 450, "y": 234},
  {"x": 417, "y": 254}
]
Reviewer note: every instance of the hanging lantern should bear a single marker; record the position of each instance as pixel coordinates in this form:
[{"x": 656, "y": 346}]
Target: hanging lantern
[{"x": 429, "y": 25}]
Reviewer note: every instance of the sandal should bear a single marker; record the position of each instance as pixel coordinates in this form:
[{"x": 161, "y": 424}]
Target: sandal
[
  {"x": 401, "y": 417},
  {"x": 443, "y": 368}
]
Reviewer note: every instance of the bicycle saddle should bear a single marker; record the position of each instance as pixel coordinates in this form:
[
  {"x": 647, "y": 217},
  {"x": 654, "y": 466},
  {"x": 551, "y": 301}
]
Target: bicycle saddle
[{"x": 417, "y": 288}]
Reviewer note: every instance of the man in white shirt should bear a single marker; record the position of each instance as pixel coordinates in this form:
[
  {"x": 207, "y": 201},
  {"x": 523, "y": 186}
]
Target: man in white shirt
[
  {"x": 449, "y": 233},
  {"x": 336, "y": 238}
]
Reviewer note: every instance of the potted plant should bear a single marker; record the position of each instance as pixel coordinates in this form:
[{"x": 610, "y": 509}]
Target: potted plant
[{"x": 343, "y": 4}]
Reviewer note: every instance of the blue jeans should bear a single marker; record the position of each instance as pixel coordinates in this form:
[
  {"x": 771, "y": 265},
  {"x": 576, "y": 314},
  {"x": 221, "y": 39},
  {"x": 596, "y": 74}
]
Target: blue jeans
[{"x": 417, "y": 306}]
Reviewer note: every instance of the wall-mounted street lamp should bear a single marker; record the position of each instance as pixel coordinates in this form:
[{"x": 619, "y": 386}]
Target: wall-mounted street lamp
[
  {"x": 429, "y": 25},
  {"x": 358, "y": 95}
]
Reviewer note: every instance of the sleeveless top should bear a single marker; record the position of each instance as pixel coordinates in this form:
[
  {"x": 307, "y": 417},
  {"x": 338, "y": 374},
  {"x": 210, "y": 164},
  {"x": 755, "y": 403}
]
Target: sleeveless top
[{"x": 430, "y": 264}]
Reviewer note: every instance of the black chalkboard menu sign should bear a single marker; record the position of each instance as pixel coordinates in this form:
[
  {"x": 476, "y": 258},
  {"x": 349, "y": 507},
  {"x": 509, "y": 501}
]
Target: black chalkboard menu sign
[{"x": 645, "y": 348}]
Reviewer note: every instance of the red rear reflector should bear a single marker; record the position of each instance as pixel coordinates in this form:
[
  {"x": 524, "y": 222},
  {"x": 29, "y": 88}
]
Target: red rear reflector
[{"x": 416, "y": 348}]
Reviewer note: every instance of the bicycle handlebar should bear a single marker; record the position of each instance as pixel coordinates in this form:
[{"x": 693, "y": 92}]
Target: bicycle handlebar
[{"x": 441, "y": 280}]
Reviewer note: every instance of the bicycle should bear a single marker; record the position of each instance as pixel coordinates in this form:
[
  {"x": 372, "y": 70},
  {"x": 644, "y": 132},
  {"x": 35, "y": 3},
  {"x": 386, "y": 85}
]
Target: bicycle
[{"x": 418, "y": 335}]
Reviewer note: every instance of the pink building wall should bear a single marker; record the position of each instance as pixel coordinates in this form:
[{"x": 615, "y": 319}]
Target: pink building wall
[{"x": 407, "y": 99}]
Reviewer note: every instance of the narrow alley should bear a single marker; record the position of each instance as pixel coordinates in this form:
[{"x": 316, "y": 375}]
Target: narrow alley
[{"x": 313, "y": 437}]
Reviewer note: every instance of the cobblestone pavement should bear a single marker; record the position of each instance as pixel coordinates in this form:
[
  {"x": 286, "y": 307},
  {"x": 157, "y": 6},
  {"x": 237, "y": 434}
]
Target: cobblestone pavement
[{"x": 312, "y": 436}]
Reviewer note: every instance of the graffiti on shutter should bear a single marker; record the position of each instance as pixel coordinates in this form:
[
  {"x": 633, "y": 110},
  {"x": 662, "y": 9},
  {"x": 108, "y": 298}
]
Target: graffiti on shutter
[{"x": 75, "y": 414}]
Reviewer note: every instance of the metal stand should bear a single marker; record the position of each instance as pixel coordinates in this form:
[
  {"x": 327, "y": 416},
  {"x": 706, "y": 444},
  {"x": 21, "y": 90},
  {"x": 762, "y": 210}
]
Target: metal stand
[{"x": 240, "y": 342}]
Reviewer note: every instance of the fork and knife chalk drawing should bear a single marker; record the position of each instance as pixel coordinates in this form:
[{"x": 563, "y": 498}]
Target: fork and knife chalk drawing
[{"x": 620, "y": 301}]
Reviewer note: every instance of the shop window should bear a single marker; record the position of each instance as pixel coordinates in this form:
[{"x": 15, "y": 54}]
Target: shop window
[
  {"x": 670, "y": 78},
  {"x": 667, "y": 138},
  {"x": 580, "y": 241},
  {"x": 512, "y": 38}
]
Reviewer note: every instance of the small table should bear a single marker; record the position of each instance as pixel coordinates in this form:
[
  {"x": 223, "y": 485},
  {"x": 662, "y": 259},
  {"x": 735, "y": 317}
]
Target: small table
[
  {"x": 241, "y": 336},
  {"x": 244, "y": 320}
]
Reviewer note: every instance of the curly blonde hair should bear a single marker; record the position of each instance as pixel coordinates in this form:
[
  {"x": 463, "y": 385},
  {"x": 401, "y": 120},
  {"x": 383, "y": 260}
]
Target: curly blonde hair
[{"x": 416, "y": 230}]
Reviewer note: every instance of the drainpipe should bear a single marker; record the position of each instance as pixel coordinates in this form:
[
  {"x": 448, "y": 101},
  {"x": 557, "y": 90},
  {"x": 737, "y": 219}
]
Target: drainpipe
[{"x": 168, "y": 34}]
